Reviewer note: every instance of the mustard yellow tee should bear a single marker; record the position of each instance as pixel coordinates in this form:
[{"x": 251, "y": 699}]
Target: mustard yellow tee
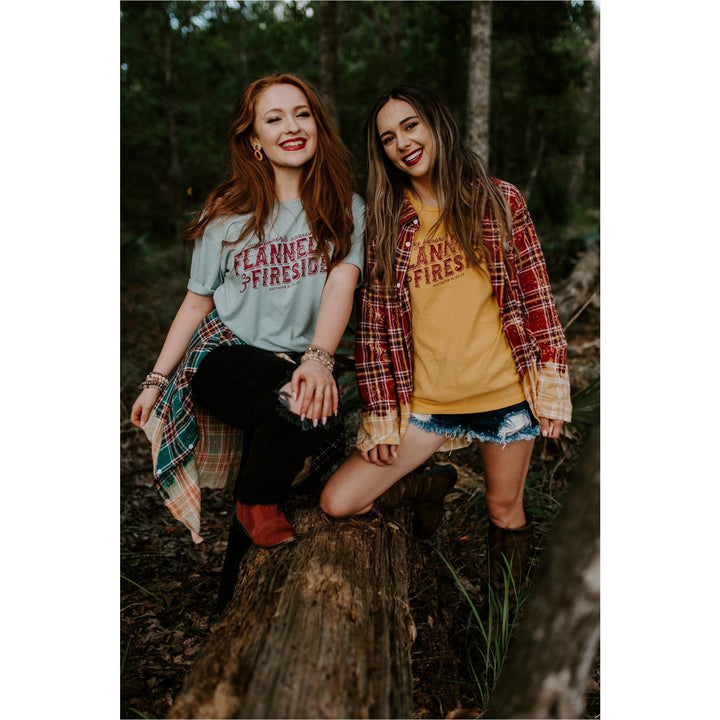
[{"x": 462, "y": 362}]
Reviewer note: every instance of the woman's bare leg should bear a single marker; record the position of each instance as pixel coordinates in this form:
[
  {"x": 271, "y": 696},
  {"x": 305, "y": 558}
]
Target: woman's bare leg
[
  {"x": 506, "y": 469},
  {"x": 356, "y": 484}
]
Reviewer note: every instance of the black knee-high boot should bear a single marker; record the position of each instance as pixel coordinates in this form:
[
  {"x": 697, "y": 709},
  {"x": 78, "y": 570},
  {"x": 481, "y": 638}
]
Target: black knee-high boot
[
  {"x": 509, "y": 552},
  {"x": 238, "y": 543}
]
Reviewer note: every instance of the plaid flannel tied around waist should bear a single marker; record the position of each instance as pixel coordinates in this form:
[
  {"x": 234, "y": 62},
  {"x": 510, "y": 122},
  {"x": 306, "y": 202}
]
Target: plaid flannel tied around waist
[{"x": 192, "y": 449}]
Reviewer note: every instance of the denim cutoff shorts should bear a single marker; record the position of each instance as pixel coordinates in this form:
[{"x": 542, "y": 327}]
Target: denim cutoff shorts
[{"x": 496, "y": 426}]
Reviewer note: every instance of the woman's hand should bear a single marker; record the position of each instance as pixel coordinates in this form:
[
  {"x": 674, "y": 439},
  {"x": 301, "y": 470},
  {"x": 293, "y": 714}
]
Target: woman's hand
[
  {"x": 313, "y": 387},
  {"x": 187, "y": 319},
  {"x": 381, "y": 455},
  {"x": 143, "y": 405},
  {"x": 312, "y": 383},
  {"x": 550, "y": 428}
]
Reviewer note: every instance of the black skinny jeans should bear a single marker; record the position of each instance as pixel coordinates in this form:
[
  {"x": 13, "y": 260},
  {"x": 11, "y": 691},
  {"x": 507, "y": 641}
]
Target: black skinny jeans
[{"x": 239, "y": 384}]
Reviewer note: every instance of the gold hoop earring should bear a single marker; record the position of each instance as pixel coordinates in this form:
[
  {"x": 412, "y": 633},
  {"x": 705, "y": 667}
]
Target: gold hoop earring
[{"x": 258, "y": 153}]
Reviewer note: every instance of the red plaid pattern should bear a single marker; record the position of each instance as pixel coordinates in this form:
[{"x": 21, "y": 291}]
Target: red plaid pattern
[{"x": 384, "y": 342}]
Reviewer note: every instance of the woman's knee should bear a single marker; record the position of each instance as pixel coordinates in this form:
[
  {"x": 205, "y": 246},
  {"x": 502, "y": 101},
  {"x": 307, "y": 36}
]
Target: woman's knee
[
  {"x": 332, "y": 504},
  {"x": 504, "y": 509},
  {"x": 339, "y": 497}
]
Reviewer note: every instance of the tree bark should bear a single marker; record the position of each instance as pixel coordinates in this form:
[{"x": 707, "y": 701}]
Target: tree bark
[
  {"x": 394, "y": 33},
  {"x": 174, "y": 166},
  {"x": 539, "y": 156},
  {"x": 589, "y": 95},
  {"x": 317, "y": 629},
  {"x": 549, "y": 661},
  {"x": 478, "y": 106}
]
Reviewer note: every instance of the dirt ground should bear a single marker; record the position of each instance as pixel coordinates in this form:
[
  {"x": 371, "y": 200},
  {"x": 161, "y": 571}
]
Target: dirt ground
[{"x": 169, "y": 584}]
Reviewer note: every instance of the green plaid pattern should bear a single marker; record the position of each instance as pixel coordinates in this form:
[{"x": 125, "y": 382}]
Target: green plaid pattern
[{"x": 191, "y": 449}]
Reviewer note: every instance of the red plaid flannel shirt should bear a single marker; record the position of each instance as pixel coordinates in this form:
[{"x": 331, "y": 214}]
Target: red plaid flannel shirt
[{"x": 384, "y": 340}]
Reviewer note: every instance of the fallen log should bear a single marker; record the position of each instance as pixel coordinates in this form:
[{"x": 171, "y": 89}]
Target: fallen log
[
  {"x": 580, "y": 287},
  {"x": 320, "y": 628}
]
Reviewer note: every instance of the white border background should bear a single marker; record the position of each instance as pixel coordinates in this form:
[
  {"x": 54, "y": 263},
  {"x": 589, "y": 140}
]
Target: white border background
[{"x": 60, "y": 290}]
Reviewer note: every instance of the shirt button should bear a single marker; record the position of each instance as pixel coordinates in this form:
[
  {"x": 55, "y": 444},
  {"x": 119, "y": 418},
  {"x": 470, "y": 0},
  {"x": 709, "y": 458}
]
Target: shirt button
[
  {"x": 398, "y": 284},
  {"x": 407, "y": 244}
]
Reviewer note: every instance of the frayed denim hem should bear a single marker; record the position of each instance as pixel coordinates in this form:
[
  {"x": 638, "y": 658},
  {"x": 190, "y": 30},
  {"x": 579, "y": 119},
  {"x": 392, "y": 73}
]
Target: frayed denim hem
[
  {"x": 515, "y": 425},
  {"x": 529, "y": 434}
]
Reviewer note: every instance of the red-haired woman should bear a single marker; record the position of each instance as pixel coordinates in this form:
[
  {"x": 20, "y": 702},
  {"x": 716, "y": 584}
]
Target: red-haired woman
[{"x": 276, "y": 260}]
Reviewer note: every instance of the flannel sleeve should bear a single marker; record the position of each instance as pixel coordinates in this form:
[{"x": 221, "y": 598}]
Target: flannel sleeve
[
  {"x": 379, "y": 420},
  {"x": 541, "y": 318}
]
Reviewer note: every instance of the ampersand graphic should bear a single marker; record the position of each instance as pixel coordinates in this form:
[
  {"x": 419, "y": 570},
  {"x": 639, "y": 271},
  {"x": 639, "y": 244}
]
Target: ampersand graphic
[{"x": 245, "y": 280}]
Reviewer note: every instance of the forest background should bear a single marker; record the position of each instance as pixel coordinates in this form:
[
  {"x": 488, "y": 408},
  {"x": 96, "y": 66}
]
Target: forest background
[
  {"x": 522, "y": 78},
  {"x": 61, "y": 156},
  {"x": 527, "y": 99},
  {"x": 184, "y": 65}
]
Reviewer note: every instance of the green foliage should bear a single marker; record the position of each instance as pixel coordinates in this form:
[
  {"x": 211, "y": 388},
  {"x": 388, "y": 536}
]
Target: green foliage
[
  {"x": 489, "y": 630},
  {"x": 139, "y": 714},
  {"x": 145, "y": 590},
  {"x": 586, "y": 404},
  {"x": 183, "y": 65},
  {"x": 544, "y": 104}
]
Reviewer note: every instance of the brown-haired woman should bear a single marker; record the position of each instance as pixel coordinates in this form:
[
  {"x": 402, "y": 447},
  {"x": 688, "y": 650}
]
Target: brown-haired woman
[
  {"x": 458, "y": 337},
  {"x": 276, "y": 260}
]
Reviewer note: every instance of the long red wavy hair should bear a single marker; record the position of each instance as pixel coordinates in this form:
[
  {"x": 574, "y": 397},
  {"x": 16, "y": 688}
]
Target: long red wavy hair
[{"x": 326, "y": 185}]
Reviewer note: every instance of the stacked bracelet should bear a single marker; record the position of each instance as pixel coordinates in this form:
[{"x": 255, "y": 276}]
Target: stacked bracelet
[
  {"x": 314, "y": 352},
  {"x": 155, "y": 379}
]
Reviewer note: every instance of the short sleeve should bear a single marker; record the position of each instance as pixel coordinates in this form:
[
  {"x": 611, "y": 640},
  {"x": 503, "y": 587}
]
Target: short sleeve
[
  {"x": 356, "y": 256},
  {"x": 206, "y": 269}
]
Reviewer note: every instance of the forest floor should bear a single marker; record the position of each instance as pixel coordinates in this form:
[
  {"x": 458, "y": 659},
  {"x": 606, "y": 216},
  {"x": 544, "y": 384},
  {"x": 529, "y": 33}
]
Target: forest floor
[{"x": 169, "y": 584}]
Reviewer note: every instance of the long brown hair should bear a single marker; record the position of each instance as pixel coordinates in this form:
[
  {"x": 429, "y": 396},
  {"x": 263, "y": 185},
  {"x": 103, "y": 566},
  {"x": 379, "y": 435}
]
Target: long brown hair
[
  {"x": 463, "y": 187},
  {"x": 326, "y": 183}
]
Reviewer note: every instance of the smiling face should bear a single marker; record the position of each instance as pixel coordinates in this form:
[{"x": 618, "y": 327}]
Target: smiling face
[
  {"x": 284, "y": 126},
  {"x": 407, "y": 141}
]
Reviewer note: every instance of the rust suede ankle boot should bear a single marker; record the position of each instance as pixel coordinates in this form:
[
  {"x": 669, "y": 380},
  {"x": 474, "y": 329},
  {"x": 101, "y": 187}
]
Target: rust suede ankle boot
[{"x": 265, "y": 525}]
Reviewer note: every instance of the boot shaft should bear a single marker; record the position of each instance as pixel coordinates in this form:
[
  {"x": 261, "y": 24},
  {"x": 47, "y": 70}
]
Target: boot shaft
[
  {"x": 509, "y": 551},
  {"x": 424, "y": 491}
]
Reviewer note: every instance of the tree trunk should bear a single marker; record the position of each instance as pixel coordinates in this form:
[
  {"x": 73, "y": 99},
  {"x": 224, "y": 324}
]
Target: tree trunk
[
  {"x": 393, "y": 56},
  {"x": 549, "y": 661},
  {"x": 328, "y": 50},
  {"x": 478, "y": 105},
  {"x": 174, "y": 168},
  {"x": 317, "y": 629},
  {"x": 589, "y": 96},
  {"x": 539, "y": 153}
]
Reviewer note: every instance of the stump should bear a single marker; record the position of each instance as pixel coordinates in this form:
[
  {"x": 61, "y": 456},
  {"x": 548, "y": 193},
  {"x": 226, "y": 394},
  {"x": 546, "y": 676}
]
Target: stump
[{"x": 320, "y": 628}]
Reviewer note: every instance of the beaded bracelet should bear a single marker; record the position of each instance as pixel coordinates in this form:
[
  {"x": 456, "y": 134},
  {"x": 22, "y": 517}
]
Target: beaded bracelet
[
  {"x": 319, "y": 350},
  {"x": 314, "y": 352},
  {"x": 155, "y": 379}
]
